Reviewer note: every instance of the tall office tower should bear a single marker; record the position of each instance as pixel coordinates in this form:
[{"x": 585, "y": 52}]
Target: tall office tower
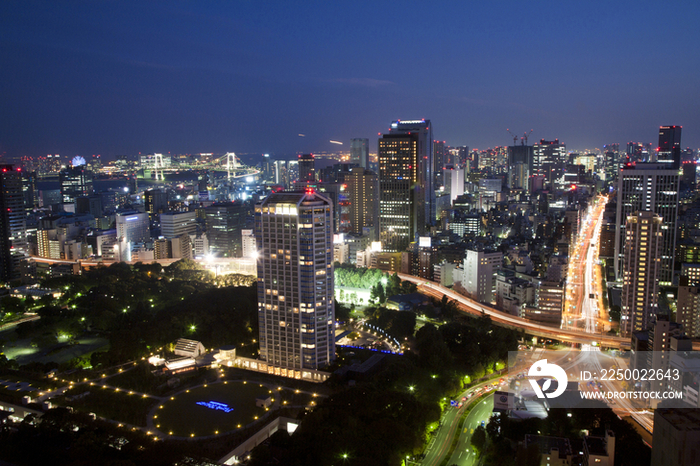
[
  {"x": 31, "y": 199},
  {"x": 156, "y": 201},
  {"x": 642, "y": 268},
  {"x": 292, "y": 173},
  {"x": 75, "y": 182},
  {"x": 454, "y": 181},
  {"x": 13, "y": 239},
  {"x": 611, "y": 162},
  {"x": 174, "y": 224},
  {"x": 520, "y": 160},
  {"x": 364, "y": 200},
  {"x": 480, "y": 271},
  {"x": 426, "y": 164},
  {"x": 224, "y": 222},
  {"x": 439, "y": 156},
  {"x": 281, "y": 177},
  {"x": 307, "y": 174},
  {"x": 133, "y": 227},
  {"x": 267, "y": 168},
  {"x": 295, "y": 281},
  {"x": 676, "y": 436},
  {"x": 401, "y": 196},
  {"x": 653, "y": 187},
  {"x": 549, "y": 159},
  {"x": 669, "y": 149},
  {"x": 463, "y": 157},
  {"x": 359, "y": 152}
]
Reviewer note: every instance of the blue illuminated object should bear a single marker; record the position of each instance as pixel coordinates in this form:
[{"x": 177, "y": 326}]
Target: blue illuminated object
[{"x": 216, "y": 406}]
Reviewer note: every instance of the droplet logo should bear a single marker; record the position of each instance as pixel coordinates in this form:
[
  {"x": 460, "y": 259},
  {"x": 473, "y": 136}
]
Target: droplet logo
[{"x": 542, "y": 369}]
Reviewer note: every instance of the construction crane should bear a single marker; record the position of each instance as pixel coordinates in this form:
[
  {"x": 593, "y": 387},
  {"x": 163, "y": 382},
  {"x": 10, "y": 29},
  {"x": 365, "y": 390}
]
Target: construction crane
[
  {"x": 515, "y": 138},
  {"x": 524, "y": 138}
]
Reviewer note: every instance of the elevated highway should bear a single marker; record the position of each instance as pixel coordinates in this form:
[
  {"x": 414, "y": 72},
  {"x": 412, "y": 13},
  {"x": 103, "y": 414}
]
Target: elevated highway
[{"x": 469, "y": 306}]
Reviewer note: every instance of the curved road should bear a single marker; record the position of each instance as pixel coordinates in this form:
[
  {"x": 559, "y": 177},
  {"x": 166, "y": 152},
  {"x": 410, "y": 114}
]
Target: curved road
[{"x": 475, "y": 308}]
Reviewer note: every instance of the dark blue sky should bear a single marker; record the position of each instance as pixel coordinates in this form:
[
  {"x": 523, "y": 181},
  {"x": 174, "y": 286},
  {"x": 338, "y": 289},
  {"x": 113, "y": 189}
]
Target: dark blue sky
[{"x": 127, "y": 77}]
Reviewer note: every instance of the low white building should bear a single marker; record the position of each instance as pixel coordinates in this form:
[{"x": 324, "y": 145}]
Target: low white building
[{"x": 189, "y": 348}]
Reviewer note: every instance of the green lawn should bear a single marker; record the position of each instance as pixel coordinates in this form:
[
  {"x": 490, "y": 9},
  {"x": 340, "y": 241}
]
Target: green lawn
[{"x": 183, "y": 417}]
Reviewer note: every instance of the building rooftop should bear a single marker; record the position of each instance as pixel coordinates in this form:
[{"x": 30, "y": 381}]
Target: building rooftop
[{"x": 681, "y": 419}]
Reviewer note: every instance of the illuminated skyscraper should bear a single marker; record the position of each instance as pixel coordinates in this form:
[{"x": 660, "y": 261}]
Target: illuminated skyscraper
[
  {"x": 13, "y": 240},
  {"x": 669, "y": 149},
  {"x": 426, "y": 168},
  {"x": 224, "y": 222},
  {"x": 640, "y": 284},
  {"x": 296, "y": 311},
  {"x": 520, "y": 164},
  {"x": 364, "y": 202},
  {"x": 453, "y": 178},
  {"x": 549, "y": 160},
  {"x": 401, "y": 197},
  {"x": 653, "y": 187},
  {"x": 307, "y": 174},
  {"x": 75, "y": 182},
  {"x": 156, "y": 201}
]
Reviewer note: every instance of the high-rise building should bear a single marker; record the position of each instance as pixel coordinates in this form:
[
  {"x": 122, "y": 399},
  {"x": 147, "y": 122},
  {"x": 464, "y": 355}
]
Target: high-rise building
[
  {"x": 75, "y": 182},
  {"x": 29, "y": 183},
  {"x": 295, "y": 281},
  {"x": 401, "y": 197},
  {"x": 281, "y": 177},
  {"x": 453, "y": 179},
  {"x": 133, "y": 227},
  {"x": 426, "y": 164},
  {"x": 669, "y": 149},
  {"x": 267, "y": 168},
  {"x": 224, "y": 222},
  {"x": 359, "y": 152},
  {"x": 307, "y": 173},
  {"x": 652, "y": 187},
  {"x": 292, "y": 172},
  {"x": 13, "y": 240},
  {"x": 549, "y": 160},
  {"x": 480, "y": 271},
  {"x": 642, "y": 268},
  {"x": 439, "y": 162},
  {"x": 174, "y": 224},
  {"x": 520, "y": 160},
  {"x": 364, "y": 203},
  {"x": 156, "y": 201}
]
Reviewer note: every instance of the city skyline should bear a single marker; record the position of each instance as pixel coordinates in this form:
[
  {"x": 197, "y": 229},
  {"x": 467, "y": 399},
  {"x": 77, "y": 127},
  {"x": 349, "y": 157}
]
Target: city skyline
[{"x": 112, "y": 79}]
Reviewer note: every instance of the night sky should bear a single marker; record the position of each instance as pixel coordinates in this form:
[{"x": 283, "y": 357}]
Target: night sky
[{"x": 112, "y": 78}]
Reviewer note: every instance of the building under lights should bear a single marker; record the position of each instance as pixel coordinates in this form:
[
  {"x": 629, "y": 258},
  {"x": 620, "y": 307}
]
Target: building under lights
[
  {"x": 307, "y": 171},
  {"x": 13, "y": 240},
  {"x": 75, "y": 182},
  {"x": 296, "y": 314},
  {"x": 406, "y": 195},
  {"x": 642, "y": 269}
]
